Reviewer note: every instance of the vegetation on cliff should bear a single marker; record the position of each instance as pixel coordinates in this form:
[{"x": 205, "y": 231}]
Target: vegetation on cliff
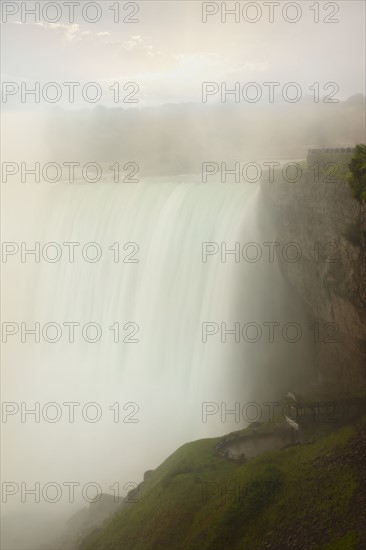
[
  {"x": 304, "y": 496},
  {"x": 357, "y": 175}
]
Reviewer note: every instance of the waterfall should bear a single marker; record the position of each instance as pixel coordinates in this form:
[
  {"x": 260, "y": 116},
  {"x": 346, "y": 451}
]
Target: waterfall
[{"x": 154, "y": 287}]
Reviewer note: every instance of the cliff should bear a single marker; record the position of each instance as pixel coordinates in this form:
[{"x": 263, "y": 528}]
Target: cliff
[
  {"x": 303, "y": 496},
  {"x": 328, "y": 227}
]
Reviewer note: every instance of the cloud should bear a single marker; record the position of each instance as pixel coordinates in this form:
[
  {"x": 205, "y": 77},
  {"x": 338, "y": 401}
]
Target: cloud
[
  {"x": 134, "y": 42},
  {"x": 71, "y": 33}
]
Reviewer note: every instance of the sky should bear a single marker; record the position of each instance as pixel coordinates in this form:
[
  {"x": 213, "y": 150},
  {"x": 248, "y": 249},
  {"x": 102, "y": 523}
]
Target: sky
[{"x": 169, "y": 51}]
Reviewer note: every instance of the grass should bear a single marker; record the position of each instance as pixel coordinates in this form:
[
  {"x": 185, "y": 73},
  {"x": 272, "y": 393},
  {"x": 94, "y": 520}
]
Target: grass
[{"x": 198, "y": 500}]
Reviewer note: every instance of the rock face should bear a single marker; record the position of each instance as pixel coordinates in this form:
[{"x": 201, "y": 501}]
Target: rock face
[
  {"x": 327, "y": 225},
  {"x": 88, "y": 519}
]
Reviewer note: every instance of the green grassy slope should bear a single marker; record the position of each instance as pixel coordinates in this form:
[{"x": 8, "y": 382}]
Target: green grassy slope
[{"x": 302, "y": 497}]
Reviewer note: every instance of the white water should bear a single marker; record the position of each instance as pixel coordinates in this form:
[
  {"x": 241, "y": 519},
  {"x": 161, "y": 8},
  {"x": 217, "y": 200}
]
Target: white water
[{"x": 169, "y": 293}]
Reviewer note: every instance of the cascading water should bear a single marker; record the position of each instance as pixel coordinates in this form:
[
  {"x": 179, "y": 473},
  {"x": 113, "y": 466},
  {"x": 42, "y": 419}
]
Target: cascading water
[{"x": 154, "y": 289}]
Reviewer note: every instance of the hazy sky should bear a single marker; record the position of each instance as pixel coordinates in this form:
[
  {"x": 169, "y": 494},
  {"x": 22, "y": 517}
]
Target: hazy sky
[{"x": 170, "y": 51}]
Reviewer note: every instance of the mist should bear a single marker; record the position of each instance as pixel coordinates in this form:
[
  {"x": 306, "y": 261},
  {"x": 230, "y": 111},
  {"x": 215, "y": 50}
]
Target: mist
[
  {"x": 131, "y": 301},
  {"x": 160, "y": 381},
  {"x": 162, "y": 370},
  {"x": 175, "y": 139}
]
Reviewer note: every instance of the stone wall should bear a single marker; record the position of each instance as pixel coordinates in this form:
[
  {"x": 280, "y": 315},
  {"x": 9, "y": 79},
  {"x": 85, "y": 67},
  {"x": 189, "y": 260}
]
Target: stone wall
[{"x": 246, "y": 446}]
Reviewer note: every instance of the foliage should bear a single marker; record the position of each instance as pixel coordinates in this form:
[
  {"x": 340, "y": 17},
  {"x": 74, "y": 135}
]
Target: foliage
[{"x": 357, "y": 175}]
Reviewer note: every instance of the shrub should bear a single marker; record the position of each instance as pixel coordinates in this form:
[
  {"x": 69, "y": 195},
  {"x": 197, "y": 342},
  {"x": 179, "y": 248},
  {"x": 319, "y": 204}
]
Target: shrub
[{"x": 357, "y": 174}]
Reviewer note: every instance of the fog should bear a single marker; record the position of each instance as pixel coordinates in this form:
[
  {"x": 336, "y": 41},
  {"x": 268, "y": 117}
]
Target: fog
[
  {"x": 134, "y": 285},
  {"x": 166, "y": 363},
  {"x": 176, "y": 139}
]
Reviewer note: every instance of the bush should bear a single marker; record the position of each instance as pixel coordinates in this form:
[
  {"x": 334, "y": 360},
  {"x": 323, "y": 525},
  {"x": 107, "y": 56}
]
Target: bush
[{"x": 357, "y": 176}]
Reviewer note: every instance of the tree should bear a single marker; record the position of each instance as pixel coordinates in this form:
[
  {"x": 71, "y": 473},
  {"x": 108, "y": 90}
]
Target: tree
[{"x": 357, "y": 176}]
